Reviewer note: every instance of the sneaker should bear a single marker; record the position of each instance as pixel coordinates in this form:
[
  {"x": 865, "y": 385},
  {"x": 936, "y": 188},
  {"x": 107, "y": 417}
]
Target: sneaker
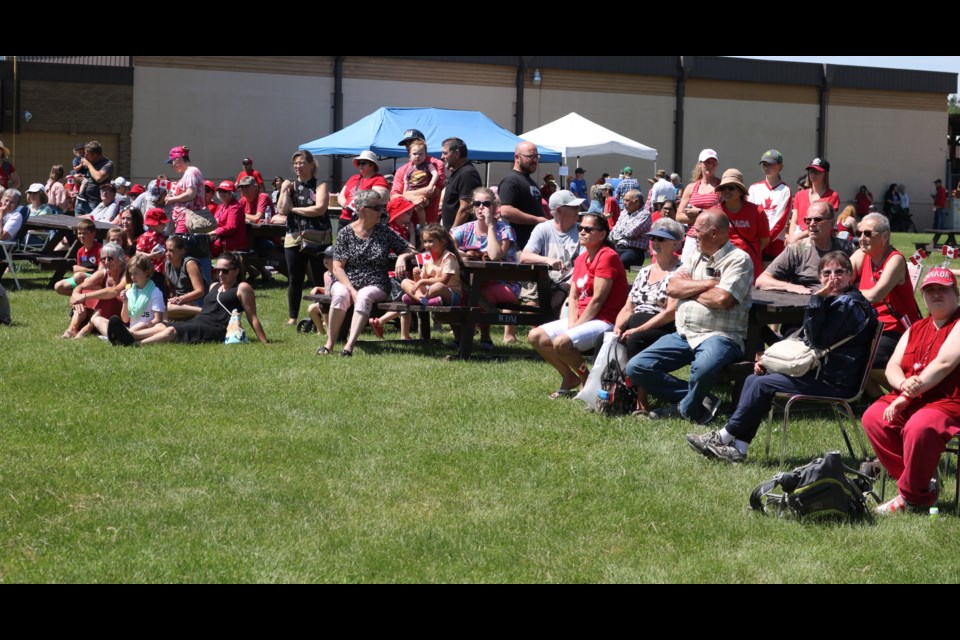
[
  {"x": 485, "y": 345},
  {"x": 726, "y": 452},
  {"x": 897, "y": 505},
  {"x": 700, "y": 442},
  {"x": 712, "y": 404},
  {"x": 669, "y": 411}
]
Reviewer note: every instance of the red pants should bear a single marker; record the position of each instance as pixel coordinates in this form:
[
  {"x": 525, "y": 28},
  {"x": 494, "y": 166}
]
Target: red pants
[{"x": 910, "y": 447}]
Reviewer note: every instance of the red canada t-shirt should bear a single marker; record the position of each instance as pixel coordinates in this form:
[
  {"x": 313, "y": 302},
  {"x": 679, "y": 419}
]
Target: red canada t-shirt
[
  {"x": 748, "y": 227},
  {"x": 606, "y": 264}
]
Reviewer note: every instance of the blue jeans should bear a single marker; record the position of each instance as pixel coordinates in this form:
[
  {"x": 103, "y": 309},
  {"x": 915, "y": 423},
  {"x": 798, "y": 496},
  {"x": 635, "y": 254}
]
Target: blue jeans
[
  {"x": 753, "y": 407},
  {"x": 631, "y": 257},
  {"x": 650, "y": 369}
]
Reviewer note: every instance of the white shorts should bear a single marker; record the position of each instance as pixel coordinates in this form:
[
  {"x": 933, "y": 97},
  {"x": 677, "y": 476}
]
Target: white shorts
[{"x": 584, "y": 336}]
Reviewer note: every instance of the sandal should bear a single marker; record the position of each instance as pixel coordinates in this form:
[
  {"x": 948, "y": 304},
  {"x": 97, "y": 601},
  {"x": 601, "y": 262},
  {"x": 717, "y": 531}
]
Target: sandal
[
  {"x": 562, "y": 393},
  {"x": 323, "y": 351},
  {"x": 346, "y": 354},
  {"x": 377, "y": 326}
]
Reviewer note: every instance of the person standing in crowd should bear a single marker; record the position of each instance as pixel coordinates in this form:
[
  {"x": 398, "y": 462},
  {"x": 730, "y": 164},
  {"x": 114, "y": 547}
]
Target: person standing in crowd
[
  {"x": 773, "y": 197},
  {"x": 748, "y": 225},
  {"x": 939, "y": 205},
  {"x": 519, "y": 195},
  {"x": 578, "y": 186},
  {"x": 249, "y": 171},
  {"x": 464, "y": 178},
  {"x": 57, "y": 195},
  {"x": 431, "y": 194},
  {"x": 699, "y": 195},
  {"x": 627, "y": 182},
  {"x": 863, "y": 200},
  {"x": 304, "y": 202},
  {"x": 9, "y": 179},
  {"x": 818, "y": 177},
  {"x": 95, "y": 170}
]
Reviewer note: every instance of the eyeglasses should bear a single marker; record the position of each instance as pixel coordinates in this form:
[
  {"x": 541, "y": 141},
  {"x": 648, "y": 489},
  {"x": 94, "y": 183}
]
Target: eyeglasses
[
  {"x": 839, "y": 271},
  {"x": 589, "y": 229},
  {"x": 531, "y": 156},
  {"x": 483, "y": 203},
  {"x": 107, "y": 259},
  {"x": 816, "y": 220},
  {"x": 866, "y": 233}
]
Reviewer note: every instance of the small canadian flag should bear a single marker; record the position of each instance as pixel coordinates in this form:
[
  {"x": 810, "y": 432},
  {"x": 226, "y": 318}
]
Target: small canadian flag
[
  {"x": 950, "y": 252},
  {"x": 918, "y": 257},
  {"x": 424, "y": 258}
]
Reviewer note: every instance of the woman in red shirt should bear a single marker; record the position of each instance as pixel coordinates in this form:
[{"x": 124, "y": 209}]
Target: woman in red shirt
[
  {"x": 368, "y": 179},
  {"x": 749, "y": 227},
  {"x": 598, "y": 289},
  {"x": 231, "y": 231}
]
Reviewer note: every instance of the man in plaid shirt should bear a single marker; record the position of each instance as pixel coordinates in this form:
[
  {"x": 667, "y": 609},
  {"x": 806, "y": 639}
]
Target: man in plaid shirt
[{"x": 713, "y": 286}]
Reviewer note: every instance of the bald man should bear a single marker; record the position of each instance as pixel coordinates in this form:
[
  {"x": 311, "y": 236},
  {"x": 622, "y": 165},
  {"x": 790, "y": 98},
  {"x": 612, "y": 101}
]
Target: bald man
[
  {"x": 713, "y": 286},
  {"x": 520, "y": 198}
]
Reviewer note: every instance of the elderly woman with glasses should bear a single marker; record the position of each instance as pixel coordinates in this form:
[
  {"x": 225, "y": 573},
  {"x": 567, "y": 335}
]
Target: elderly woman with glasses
[
  {"x": 100, "y": 293},
  {"x": 598, "y": 290},
  {"x": 361, "y": 260},
  {"x": 226, "y": 295},
  {"x": 836, "y": 311},
  {"x": 884, "y": 282}
]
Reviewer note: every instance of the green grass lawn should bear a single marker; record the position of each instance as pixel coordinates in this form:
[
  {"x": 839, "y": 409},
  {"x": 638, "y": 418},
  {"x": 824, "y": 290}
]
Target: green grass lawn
[{"x": 269, "y": 464}]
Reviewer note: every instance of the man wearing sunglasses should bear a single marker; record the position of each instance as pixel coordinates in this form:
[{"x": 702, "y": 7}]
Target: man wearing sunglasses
[{"x": 795, "y": 269}]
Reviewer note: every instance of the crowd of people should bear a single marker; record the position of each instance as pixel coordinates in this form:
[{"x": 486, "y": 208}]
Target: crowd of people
[{"x": 170, "y": 271}]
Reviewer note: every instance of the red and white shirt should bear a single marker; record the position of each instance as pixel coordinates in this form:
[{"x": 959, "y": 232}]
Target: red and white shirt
[{"x": 775, "y": 203}]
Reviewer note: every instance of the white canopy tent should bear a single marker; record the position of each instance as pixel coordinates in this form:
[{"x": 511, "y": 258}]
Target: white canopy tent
[{"x": 575, "y": 136}]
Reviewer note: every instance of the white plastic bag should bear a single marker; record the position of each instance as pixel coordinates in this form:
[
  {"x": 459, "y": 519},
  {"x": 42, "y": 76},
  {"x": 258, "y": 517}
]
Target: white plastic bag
[{"x": 589, "y": 392}]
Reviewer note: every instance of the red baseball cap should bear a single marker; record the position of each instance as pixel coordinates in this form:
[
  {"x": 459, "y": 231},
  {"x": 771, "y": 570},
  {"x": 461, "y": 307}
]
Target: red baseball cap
[{"x": 941, "y": 276}]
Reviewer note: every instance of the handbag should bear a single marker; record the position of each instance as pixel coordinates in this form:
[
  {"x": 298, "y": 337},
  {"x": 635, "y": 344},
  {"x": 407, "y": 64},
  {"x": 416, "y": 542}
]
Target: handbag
[
  {"x": 235, "y": 332},
  {"x": 199, "y": 221},
  {"x": 795, "y": 358},
  {"x": 315, "y": 236}
]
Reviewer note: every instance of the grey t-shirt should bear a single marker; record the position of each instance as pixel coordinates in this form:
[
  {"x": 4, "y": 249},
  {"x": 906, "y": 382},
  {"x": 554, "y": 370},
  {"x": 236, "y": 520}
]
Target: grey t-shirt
[
  {"x": 546, "y": 240},
  {"x": 798, "y": 262}
]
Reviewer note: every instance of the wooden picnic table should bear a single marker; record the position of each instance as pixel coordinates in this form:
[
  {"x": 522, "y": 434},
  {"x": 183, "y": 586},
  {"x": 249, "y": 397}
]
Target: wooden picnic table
[
  {"x": 950, "y": 233},
  {"x": 269, "y": 231},
  {"x": 61, "y": 225}
]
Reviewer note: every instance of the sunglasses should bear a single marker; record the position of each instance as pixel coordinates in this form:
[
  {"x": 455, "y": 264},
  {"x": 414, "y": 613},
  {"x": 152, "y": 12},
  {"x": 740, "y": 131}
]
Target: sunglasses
[
  {"x": 219, "y": 270},
  {"x": 483, "y": 203},
  {"x": 362, "y": 163},
  {"x": 835, "y": 272},
  {"x": 657, "y": 239},
  {"x": 866, "y": 233},
  {"x": 817, "y": 220},
  {"x": 727, "y": 187},
  {"x": 589, "y": 229}
]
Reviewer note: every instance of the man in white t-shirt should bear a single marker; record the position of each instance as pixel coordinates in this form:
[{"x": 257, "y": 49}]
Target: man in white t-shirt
[
  {"x": 555, "y": 243},
  {"x": 773, "y": 197}
]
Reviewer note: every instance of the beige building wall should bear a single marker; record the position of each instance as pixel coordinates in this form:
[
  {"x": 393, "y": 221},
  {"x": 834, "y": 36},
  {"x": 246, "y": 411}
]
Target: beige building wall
[
  {"x": 742, "y": 120},
  {"x": 224, "y": 115},
  {"x": 903, "y": 141}
]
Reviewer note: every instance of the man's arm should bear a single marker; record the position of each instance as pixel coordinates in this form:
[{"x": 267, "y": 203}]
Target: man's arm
[
  {"x": 463, "y": 213},
  {"x": 683, "y": 287}
]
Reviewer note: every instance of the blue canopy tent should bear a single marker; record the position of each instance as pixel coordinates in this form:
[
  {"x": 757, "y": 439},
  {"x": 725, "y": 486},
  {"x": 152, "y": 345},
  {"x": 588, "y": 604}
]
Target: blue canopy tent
[{"x": 381, "y": 130}]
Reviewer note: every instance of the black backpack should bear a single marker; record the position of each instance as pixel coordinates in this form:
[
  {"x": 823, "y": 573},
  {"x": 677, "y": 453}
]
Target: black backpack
[
  {"x": 818, "y": 490},
  {"x": 616, "y": 397}
]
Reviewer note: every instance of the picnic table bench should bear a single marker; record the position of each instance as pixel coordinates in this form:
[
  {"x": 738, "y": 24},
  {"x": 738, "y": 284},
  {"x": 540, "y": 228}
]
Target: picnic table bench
[
  {"x": 47, "y": 256},
  {"x": 476, "y": 310}
]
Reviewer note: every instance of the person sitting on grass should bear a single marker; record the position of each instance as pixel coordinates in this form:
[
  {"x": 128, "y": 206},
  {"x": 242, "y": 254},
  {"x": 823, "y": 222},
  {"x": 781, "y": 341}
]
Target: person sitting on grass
[
  {"x": 226, "y": 295},
  {"x": 438, "y": 281},
  {"x": 185, "y": 284},
  {"x": 142, "y": 303},
  {"x": 837, "y": 310},
  {"x": 99, "y": 293},
  {"x": 598, "y": 290},
  {"x": 88, "y": 258}
]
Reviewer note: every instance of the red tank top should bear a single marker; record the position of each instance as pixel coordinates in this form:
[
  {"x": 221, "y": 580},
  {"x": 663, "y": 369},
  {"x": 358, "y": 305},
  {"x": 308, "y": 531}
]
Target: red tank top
[
  {"x": 905, "y": 310},
  {"x": 702, "y": 201},
  {"x": 922, "y": 349}
]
